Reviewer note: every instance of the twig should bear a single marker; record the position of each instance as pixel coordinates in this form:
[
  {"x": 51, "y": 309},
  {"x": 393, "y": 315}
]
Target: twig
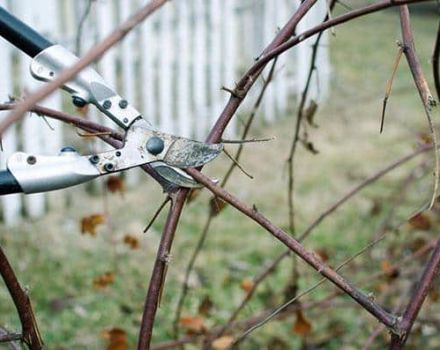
[
  {"x": 436, "y": 63},
  {"x": 156, "y": 214},
  {"x": 237, "y": 164},
  {"x": 10, "y": 337},
  {"x": 422, "y": 87},
  {"x": 247, "y": 141},
  {"x": 93, "y": 54},
  {"x": 390, "y": 85}
]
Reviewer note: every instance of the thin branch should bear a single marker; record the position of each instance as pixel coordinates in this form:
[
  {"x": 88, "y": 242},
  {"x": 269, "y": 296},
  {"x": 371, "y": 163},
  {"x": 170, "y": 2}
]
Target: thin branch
[
  {"x": 156, "y": 214},
  {"x": 422, "y": 87},
  {"x": 30, "y": 333},
  {"x": 93, "y": 54}
]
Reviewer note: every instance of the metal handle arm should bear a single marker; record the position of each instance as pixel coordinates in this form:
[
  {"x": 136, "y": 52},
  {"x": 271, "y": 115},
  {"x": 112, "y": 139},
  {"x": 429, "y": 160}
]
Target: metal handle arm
[
  {"x": 21, "y": 35},
  {"x": 8, "y": 183}
]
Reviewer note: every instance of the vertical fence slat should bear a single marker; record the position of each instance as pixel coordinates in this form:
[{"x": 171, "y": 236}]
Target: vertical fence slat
[
  {"x": 199, "y": 64},
  {"x": 270, "y": 27},
  {"x": 215, "y": 68},
  {"x": 166, "y": 94},
  {"x": 185, "y": 121}
]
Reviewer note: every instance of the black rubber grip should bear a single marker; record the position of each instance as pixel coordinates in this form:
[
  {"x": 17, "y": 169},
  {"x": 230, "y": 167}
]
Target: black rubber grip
[
  {"x": 8, "y": 183},
  {"x": 21, "y": 35}
]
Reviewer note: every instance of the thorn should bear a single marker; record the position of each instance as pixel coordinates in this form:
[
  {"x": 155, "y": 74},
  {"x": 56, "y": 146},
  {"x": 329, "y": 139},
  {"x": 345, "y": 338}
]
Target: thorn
[
  {"x": 237, "y": 164},
  {"x": 156, "y": 214},
  {"x": 255, "y": 140}
]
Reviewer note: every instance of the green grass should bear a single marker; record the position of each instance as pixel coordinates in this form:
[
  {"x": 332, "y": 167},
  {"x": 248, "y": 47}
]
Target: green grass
[{"x": 57, "y": 264}]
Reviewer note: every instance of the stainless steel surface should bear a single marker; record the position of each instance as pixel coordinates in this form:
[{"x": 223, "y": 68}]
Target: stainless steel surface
[
  {"x": 87, "y": 85},
  {"x": 175, "y": 175},
  {"x": 47, "y": 173}
]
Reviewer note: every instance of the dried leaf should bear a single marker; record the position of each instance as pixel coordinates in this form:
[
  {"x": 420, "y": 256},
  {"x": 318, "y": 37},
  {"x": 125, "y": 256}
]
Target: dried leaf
[
  {"x": 420, "y": 221},
  {"x": 247, "y": 285},
  {"x": 132, "y": 241},
  {"x": 205, "y": 306},
  {"x": 104, "y": 280},
  {"x": 116, "y": 337},
  {"x": 308, "y": 145},
  {"x": 389, "y": 270},
  {"x": 115, "y": 184},
  {"x": 217, "y": 205},
  {"x": 310, "y": 113},
  {"x": 193, "y": 324},
  {"x": 425, "y": 138},
  {"x": 193, "y": 194},
  {"x": 90, "y": 223},
  {"x": 223, "y": 343},
  {"x": 322, "y": 253},
  {"x": 302, "y": 326}
]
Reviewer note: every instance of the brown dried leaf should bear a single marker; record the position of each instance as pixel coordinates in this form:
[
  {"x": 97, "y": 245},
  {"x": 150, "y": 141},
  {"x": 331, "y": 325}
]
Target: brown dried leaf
[
  {"x": 193, "y": 194},
  {"x": 222, "y": 343},
  {"x": 104, "y": 280},
  {"x": 115, "y": 184},
  {"x": 309, "y": 146},
  {"x": 302, "y": 326},
  {"x": 205, "y": 306},
  {"x": 310, "y": 113},
  {"x": 420, "y": 221},
  {"x": 193, "y": 324},
  {"x": 389, "y": 270},
  {"x": 322, "y": 253},
  {"x": 247, "y": 285},
  {"x": 132, "y": 241},
  {"x": 217, "y": 205},
  {"x": 116, "y": 337},
  {"x": 90, "y": 223}
]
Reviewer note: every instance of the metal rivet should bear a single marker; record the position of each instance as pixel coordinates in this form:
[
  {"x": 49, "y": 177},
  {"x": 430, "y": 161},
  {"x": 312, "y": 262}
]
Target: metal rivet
[
  {"x": 31, "y": 160},
  {"x": 107, "y": 104},
  {"x": 78, "y": 102},
  {"x": 109, "y": 167},
  {"x": 118, "y": 153},
  {"x": 125, "y": 120},
  {"x": 155, "y": 145},
  {"x": 94, "y": 159},
  {"x": 123, "y": 104}
]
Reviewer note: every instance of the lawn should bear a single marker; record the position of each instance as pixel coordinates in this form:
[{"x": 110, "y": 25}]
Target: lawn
[{"x": 58, "y": 264}]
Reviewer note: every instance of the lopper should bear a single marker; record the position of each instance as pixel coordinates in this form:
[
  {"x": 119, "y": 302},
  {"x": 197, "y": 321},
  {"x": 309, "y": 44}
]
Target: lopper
[{"x": 143, "y": 143}]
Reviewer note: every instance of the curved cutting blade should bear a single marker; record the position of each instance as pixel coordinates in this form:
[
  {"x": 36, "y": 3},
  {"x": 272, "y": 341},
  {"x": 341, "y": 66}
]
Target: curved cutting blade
[
  {"x": 185, "y": 153},
  {"x": 175, "y": 175}
]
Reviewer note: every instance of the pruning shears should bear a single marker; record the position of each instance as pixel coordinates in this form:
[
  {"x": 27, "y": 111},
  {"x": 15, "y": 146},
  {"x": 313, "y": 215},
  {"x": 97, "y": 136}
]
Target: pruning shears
[{"x": 143, "y": 143}]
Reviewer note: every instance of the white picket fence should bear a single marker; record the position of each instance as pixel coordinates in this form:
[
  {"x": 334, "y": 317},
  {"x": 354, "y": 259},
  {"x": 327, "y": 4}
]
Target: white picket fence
[{"x": 172, "y": 67}]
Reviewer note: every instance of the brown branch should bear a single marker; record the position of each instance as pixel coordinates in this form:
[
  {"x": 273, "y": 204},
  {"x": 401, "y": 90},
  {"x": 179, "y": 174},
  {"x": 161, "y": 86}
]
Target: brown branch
[
  {"x": 10, "y": 337},
  {"x": 436, "y": 63},
  {"x": 309, "y": 257},
  {"x": 422, "y": 87},
  {"x": 405, "y": 324},
  {"x": 92, "y": 55},
  {"x": 30, "y": 333}
]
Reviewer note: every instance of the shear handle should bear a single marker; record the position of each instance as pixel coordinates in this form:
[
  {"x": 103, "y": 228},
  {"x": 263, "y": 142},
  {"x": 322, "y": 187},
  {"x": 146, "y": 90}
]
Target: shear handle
[
  {"x": 8, "y": 183},
  {"x": 21, "y": 35}
]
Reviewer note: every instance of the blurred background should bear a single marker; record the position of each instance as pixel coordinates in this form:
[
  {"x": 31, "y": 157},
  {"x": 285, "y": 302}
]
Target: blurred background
[{"x": 82, "y": 253}]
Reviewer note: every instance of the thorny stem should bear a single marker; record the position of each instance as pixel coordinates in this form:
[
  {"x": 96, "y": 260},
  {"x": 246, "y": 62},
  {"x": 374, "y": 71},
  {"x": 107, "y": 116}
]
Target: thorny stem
[
  {"x": 422, "y": 87},
  {"x": 30, "y": 333}
]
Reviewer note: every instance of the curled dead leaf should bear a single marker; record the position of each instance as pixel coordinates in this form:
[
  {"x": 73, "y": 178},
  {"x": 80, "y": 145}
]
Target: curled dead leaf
[
  {"x": 116, "y": 337},
  {"x": 247, "y": 285},
  {"x": 104, "y": 280},
  {"x": 420, "y": 221},
  {"x": 115, "y": 184},
  {"x": 205, "y": 306},
  {"x": 322, "y": 253},
  {"x": 222, "y": 343},
  {"x": 301, "y": 326},
  {"x": 132, "y": 241},
  {"x": 193, "y": 324},
  {"x": 90, "y": 223},
  {"x": 217, "y": 205},
  {"x": 389, "y": 269}
]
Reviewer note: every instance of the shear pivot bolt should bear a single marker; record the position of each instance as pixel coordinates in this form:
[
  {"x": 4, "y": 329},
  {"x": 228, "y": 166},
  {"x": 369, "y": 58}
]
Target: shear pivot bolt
[
  {"x": 109, "y": 167},
  {"x": 107, "y": 104},
  {"x": 94, "y": 159},
  {"x": 155, "y": 145},
  {"x": 31, "y": 160},
  {"x": 123, "y": 104},
  {"x": 78, "y": 102}
]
